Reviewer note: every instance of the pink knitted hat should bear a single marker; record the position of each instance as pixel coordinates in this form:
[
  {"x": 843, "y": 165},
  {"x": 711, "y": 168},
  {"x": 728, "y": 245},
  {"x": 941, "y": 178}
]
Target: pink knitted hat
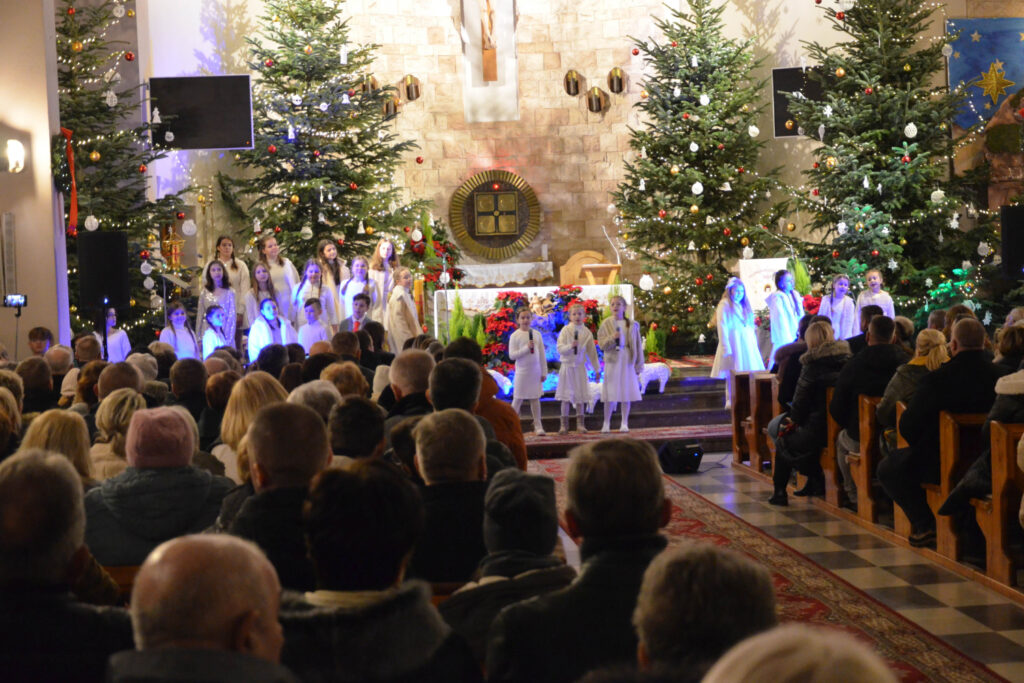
[{"x": 159, "y": 437}]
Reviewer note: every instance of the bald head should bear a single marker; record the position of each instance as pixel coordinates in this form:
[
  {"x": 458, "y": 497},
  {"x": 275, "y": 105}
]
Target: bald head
[
  {"x": 59, "y": 357},
  {"x": 207, "y": 592},
  {"x": 968, "y": 335},
  {"x": 410, "y": 372},
  {"x": 215, "y": 365},
  {"x": 121, "y": 375},
  {"x": 319, "y": 347}
]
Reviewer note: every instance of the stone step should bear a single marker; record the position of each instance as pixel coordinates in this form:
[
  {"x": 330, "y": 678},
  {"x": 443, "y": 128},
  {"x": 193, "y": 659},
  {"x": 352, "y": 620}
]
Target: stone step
[
  {"x": 712, "y": 438},
  {"x": 637, "y": 418}
]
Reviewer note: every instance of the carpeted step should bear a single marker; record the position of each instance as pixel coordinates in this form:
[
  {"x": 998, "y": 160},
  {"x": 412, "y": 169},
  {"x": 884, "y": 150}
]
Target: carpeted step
[{"x": 712, "y": 437}]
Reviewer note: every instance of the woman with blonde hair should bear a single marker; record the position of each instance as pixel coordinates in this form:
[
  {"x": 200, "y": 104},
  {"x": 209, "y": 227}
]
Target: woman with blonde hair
[
  {"x": 382, "y": 268},
  {"x": 112, "y": 418},
  {"x": 254, "y": 391},
  {"x": 931, "y": 352},
  {"x": 401, "y": 322},
  {"x": 10, "y": 423},
  {"x": 347, "y": 378},
  {"x": 64, "y": 432}
]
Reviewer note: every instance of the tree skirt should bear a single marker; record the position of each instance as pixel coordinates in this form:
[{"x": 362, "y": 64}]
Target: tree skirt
[{"x": 805, "y": 591}]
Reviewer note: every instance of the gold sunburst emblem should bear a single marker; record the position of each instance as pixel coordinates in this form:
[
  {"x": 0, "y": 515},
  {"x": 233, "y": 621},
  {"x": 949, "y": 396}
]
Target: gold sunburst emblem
[{"x": 495, "y": 214}]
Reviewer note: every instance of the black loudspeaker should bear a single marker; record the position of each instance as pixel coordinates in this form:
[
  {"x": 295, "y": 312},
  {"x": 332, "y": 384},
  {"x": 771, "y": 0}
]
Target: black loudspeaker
[
  {"x": 678, "y": 457},
  {"x": 102, "y": 270},
  {"x": 1012, "y": 234}
]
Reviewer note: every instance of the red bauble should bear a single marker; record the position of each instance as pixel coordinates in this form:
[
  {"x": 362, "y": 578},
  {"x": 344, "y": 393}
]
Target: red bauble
[
  {"x": 72, "y": 231},
  {"x": 686, "y": 115},
  {"x": 71, "y": 11},
  {"x": 741, "y": 170},
  {"x": 726, "y": 231},
  {"x": 817, "y": 2},
  {"x": 721, "y": 146},
  {"x": 316, "y": 152},
  {"x": 675, "y": 44},
  {"x": 815, "y": 165},
  {"x": 419, "y": 160},
  {"x": 272, "y": 149},
  {"x": 144, "y": 254},
  {"x": 689, "y": 309},
  {"x": 142, "y": 168},
  {"x": 654, "y": 326},
  {"x": 835, "y": 253},
  {"x": 418, "y": 247},
  {"x": 709, "y": 277},
  {"x": 636, "y": 51},
  {"x": 874, "y": 252},
  {"x": 351, "y": 92},
  {"x": 840, "y": 15},
  {"x": 277, "y": 228},
  {"x": 868, "y": 90},
  {"x": 815, "y": 192},
  {"x": 129, "y": 56},
  {"x": 1020, "y": 112},
  {"x": 352, "y": 186},
  {"x": 341, "y": 241},
  {"x": 674, "y": 329},
  {"x": 905, "y": 159},
  {"x": 697, "y": 281},
  {"x": 180, "y": 215},
  {"x": 407, "y": 229},
  {"x": 662, "y": 213},
  {"x": 268, "y": 63}
]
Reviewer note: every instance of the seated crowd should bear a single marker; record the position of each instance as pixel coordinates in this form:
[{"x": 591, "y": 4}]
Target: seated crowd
[{"x": 373, "y": 522}]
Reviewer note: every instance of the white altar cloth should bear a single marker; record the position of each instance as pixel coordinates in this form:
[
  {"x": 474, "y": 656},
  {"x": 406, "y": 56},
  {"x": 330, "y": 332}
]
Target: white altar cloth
[{"x": 498, "y": 274}]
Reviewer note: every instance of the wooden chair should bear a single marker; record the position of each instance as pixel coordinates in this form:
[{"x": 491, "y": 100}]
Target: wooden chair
[
  {"x": 959, "y": 446},
  {"x": 123, "y": 576},
  {"x": 442, "y": 591},
  {"x": 761, "y": 413},
  {"x": 740, "y": 413},
  {"x": 997, "y": 514},
  {"x": 569, "y": 273},
  {"x": 833, "y": 477},
  {"x": 863, "y": 464},
  {"x": 900, "y": 521}
]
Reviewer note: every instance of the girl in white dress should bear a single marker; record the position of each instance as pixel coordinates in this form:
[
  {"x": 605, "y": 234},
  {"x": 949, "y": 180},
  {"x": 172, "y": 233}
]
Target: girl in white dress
[
  {"x": 401, "y": 323},
  {"x": 216, "y": 329},
  {"x": 237, "y": 275},
  {"x": 313, "y": 287},
  {"x": 382, "y": 266},
  {"x": 358, "y": 283},
  {"x": 118, "y": 346},
  {"x": 575, "y": 348},
  {"x": 282, "y": 272},
  {"x": 785, "y": 311},
  {"x": 840, "y": 308},
  {"x": 526, "y": 349},
  {"x": 875, "y": 295},
  {"x": 619, "y": 338},
  {"x": 333, "y": 271},
  {"x": 269, "y": 328},
  {"x": 737, "y": 342},
  {"x": 216, "y": 291},
  {"x": 260, "y": 287},
  {"x": 179, "y": 333}
]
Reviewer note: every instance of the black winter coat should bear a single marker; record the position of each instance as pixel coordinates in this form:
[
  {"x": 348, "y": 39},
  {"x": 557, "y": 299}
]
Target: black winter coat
[
  {"x": 821, "y": 367},
  {"x": 867, "y": 373},
  {"x": 272, "y": 519}
]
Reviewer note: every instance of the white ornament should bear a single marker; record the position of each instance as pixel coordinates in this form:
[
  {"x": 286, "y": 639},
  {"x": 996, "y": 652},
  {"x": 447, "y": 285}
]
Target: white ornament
[
  {"x": 928, "y": 282},
  {"x": 91, "y": 223},
  {"x": 947, "y": 50},
  {"x": 691, "y": 246},
  {"x": 676, "y": 92},
  {"x": 291, "y": 132},
  {"x": 697, "y": 188},
  {"x": 343, "y": 54},
  {"x": 118, "y": 11},
  {"x": 971, "y": 211},
  {"x": 148, "y": 283},
  {"x": 941, "y": 238},
  {"x": 694, "y": 147},
  {"x": 841, "y": 228},
  {"x": 987, "y": 320},
  {"x": 996, "y": 260},
  {"x": 748, "y": 253},
  {"x": 444, "y": 278},
  {"x": 643, "y": 185},
  {"x": 156, "y": 115},
  {"x": 110, "y": 75},
  {"x": 188, "y": 227},
  {"x": 938, "y": 196},
  {"x": 646, "y": 282},
  {"x": 866, "y": 183},
  {"x": 612, "y": 209},
  {"x": 827, "y": 111},
  {"x": 643, "y": 152},
  {"x": 753, "y": 131},
  {"x": 345, "y": 100},
  {"x": 306, "y": 233},
  {"x": 416, "y": 235},
  {"x": 701, "y": 339},
  {"x": 321, "y": 218},
  {"x": 169, "y": 136},
  {"x": 362, "y": 229},
  {"x": 256, "y": 227},
  {"x": 146, "y": 268},
  {"x": 954, "y": 222},
  {"x": 704, "y": 100},
  {"x": 726, "y": 187},
  {"x": 878, "y": 187},
  {"x": 799, "y": 130},
  {"x": 970, "y": 304},
  {"x": 296, "y": 100},
  {"x": 821, "y": 132},
  {"x": 381, "y": 134},
  {"x": 111, "y": 99},
  {"x": 966, "y": 265},
  {"x": 693, "y": 61},
  {"x": 910, "y": 130},
  {"x": 984, "y": 249},
  {"x": 893, "y": 265},
  {"x": 884, "y": 231}
]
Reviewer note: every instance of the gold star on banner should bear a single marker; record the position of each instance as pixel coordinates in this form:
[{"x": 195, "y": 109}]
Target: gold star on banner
[
  {"x": 998, "y": 65},
  {"x": 1022, "y": 37},
  {"x": 975, "y": 37},
  {"x": 988, "y": 105},
  {"x": 956, "y": 55},
  {"x": 994, "y": 83}
]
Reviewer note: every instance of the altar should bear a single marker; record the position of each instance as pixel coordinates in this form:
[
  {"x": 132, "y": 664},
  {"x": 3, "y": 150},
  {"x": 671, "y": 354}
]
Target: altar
[
  {"x": 482, "y": 300},
  {"x": 499, "y": 274}
]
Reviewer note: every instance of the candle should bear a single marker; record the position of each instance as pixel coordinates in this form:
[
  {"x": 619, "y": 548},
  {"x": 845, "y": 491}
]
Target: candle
[{"x": 544, "y": 252}]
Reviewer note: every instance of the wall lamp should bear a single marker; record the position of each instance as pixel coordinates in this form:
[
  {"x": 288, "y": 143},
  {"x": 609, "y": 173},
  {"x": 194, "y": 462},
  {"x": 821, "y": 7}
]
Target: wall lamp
[{"x": 13, "y": 158}]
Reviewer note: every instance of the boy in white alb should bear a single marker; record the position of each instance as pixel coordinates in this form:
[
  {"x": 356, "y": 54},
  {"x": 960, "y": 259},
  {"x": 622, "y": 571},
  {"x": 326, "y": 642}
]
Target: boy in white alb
[{"x": 313, "y": 331}]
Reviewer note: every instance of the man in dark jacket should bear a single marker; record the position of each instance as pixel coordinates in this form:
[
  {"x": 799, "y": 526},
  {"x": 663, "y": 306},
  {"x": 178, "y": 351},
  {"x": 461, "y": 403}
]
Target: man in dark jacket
[
  {"x": 345, "y": 345},
  {"x": 409, "y": 376},
  {"x": 616, "y": 504},
  {"x": 867, "y": 374},
  {"x": 966, "y": 384},
  {"x": 287, "y": 448},
  {"x": 188, "y": 384},
  {"x": 860, "y": 341},
  {"x": 363, "y": 623},
  {"x": 47, "y": 634}
]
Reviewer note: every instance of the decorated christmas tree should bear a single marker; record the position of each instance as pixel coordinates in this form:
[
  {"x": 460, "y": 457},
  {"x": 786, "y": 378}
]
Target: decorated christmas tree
[
  {"x": 882, "y": 188},
  {"x": 99, "y": 111},
  {"x": 692, "y": 192},
  {"x": 323, "y": 153}
]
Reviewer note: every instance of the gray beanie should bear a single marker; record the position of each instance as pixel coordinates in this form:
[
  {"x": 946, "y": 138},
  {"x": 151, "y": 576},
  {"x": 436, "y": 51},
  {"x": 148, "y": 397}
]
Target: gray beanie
[{"x": 520, "y": 513}]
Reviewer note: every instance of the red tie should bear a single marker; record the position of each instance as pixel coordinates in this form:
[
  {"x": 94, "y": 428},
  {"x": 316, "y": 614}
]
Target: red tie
[{"x": 355, "y": 327}]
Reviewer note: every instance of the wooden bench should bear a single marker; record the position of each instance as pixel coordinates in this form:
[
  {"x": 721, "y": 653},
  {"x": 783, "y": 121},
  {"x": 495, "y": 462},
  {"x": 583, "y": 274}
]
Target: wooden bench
[
  {"x": 761, "y": 413},
  {"x": 863, "y": 464},
  {"x": 959, "y": 446},
  {"x": 740, "y": 413},
  {"x": 439, "y": 592},
  {"x": 900, "y": 521},
  {"x": 123, "y": 576},
  {"x": 833, "y": 477},
  {"x": 997, "y": 514}
]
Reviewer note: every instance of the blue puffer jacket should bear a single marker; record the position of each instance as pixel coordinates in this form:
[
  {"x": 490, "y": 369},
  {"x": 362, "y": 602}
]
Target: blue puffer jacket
[{"x": 130, "y": 514}]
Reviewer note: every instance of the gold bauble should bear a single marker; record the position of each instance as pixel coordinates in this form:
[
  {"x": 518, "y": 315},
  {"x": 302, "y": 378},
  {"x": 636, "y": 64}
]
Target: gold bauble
[
  {"x": 791, "y": 226},
  {"x": 308, "y": 49},
  {"x": 130, "y": 13},
  {"x": 840, "y": 72},
  {"x": 625, "y": 235},
  {"x": 252, "y": 241},
  {"x": 94, "y": 156},
  {"x": 790, "y": 124},
  {"x": 73, "y": 308},
  {"x": 131, "y": 302},
  {"x": 903, "y": 243},
  {"x": 744, "y": 241},
  {"x": 859, "y": 226},
  {"x": 906, "y": 67},
  {"x": 705, "y": 246},
  {"x": 643, "y": 94},
  {"x": 77, "y": 46},
  {"x": 830, "y": 162},
  {"x": 201, "y": 199},
  {"x": 674, "y": 170},
  {"x": 369, "y": 229},
  {"x": 294, "y": 199},
  {"x": 667, "y": 290},
  {"x": 694, "y": 208},
  {"x": 942, "y": 276}
]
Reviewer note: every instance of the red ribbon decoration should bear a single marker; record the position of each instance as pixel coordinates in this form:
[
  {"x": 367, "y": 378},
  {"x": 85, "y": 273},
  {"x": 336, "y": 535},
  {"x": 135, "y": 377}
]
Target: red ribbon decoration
[{"x": 73, "y": 211}]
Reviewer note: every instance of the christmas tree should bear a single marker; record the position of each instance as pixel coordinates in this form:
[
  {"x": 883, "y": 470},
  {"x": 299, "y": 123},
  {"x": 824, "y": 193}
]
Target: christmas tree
[
  {"x": 691, "y": 193},
  {"x": 324, "y": 154},
  {"x": 882, "y": 188},
  {"x": 111, "y": 155}
]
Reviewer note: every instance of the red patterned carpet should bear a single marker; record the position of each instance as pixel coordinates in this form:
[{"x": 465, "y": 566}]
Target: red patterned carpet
[{"x": 805, "y": 591}]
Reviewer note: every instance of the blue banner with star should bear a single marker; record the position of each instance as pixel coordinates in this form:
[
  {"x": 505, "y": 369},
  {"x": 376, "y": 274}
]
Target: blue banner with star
[{"x": 988, "y": 56}]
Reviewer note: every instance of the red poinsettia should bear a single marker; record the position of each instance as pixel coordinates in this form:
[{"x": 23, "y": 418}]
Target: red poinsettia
[{"x": 812, "y": 304}]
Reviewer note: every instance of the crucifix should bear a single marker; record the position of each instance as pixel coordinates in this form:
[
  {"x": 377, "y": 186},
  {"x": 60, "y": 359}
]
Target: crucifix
[{"x": 487, "y": 45}]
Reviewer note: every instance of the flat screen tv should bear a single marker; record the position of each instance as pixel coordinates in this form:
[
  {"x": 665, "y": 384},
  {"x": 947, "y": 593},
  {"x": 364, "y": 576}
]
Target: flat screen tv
[{"x": 202, "y": 112}]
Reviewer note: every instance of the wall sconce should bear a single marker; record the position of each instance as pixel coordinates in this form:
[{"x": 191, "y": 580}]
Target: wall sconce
[
  {"x": 13, "y": 159},
  {"x": 369, "y": 83},
  {"x": 412, "y": 88},
  {"x": 597, "y": 100},
  {"x": 616, "y": 80},
  {"x": 390, "y": 108},
  {"x": 572, "y": 82}
]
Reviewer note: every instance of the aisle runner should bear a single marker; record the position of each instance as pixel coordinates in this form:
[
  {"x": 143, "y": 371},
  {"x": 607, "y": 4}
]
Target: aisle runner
[{"x": 807, "y": 592}]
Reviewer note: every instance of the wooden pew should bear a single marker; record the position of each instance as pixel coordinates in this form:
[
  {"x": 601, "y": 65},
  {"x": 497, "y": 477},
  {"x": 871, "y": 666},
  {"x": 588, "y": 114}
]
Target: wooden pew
[
  {"x": 863, "y": 464},
  {"x": 997, "y": 515},
  {"x": 761, "y": 413},
  {"x": 900, "y": 522},
  {"x": 740, "y": 413},
  {"x": 959, "y": 446},
  {"x": 124, "y": 577},
  {"x": 833, "y": 477}
]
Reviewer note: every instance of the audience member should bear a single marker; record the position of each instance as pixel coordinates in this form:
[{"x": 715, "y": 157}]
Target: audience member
[
  {"x": 866, "y": 374},
  {"x": 787, "y": 360},
  {"x": 39, "y": 340},
  {"x": 451, "y": 458},
  {"x": 291, "y": 376},
  {"x": 319, "y": 395},
  {"x": 271, "y": 359},
  {"x": 296, "y": 353},
  {"x": 218, "y": 390},
  {"x": 200, "y": 459},
  {"x": 937, "y": 319},
  {"x": 346, "y": 346},
  {"x": 165, "y": 358},
  {"x": 355, "y": 427},
  {"x": 796, "y": 653},
  {"x": 904, "y": 334},
  {"x": 361, "y": 525},
  {"x": 59, "y": 358},
  {"x": 118, "y": 376},
  {"x": 65, "y": 433},
  {"x": 10, "y": 423},
  {"x": 1010, "y": 348},
  {"x": 409, "y": 377},
  {"x": 953, "y": 314},
  {"x": 520, "y": 533},
  {"x": 145, "y": 363},
  {"x": 231, "y": 356},
  {"x": 38, "y": 382},
  {"x": 966, "y": 384},
  {"x": 866, "y": 314},
  {"x": 402, "y": 453},
  {"x": 86, "y": 349},
  {"x": 930, "y": 353},
  {"x": 347, "y": 378},
  {"x": 158, "y": 497},
  {"x": 315, "y": 364},
  {"x": 254, "y": 391},
  {"x": 214, "y": 365},
  {"x": 48, "y": 635},
  {"x": 112, "y": 419},
  {"x": 287, "y": 448},
  {"x": 188, "y": 384},
  {"x": 12, "y": 381},
  {"x": 615, "y": 504},
  {"x": 204, "y": 607},
  {"x": 86, "y": 395},
  {"x": 380, "y": 357}
]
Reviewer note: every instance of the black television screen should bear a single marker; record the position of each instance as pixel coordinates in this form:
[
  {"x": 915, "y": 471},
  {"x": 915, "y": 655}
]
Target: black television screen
[
  {"x": 794, "y": 79},
  {"x": 202, "y": 112}
]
